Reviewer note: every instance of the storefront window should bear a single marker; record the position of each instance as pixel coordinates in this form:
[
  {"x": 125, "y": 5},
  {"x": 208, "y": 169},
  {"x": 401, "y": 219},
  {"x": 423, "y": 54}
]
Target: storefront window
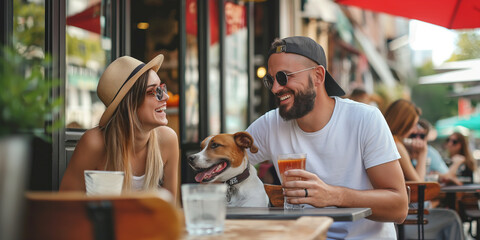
[
  {"x": 154, "y": 31},
  {"x": 236, "y": 82},
  {"x": 214, "y": 71},
  {"x": 29, "y": 28},
  {"x": 191, "y": 74},
  {"x": 88, "y": 47}
]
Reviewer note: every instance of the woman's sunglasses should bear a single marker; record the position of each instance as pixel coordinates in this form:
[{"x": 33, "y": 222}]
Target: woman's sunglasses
[
  {"x": 281, "y": 76},
  {"x": 415, "y": 135},
  {"x": 159, "y": 91},
  {"x": 454, "y": 141}
]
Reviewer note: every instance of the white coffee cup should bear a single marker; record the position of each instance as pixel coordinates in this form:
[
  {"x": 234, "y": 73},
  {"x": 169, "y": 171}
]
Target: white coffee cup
[{"x": 103, "y": 182}]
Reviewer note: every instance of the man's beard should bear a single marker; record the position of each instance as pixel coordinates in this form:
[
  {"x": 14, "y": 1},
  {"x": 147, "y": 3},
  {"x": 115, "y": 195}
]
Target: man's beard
[{"x": 302, "y": 105}]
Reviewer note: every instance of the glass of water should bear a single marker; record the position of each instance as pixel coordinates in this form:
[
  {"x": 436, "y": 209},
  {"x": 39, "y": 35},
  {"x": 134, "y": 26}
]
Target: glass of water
[{"x": 204, "y": 206}]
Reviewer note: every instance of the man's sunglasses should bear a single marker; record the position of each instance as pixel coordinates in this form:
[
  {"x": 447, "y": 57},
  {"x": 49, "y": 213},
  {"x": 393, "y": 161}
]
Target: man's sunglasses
[
  {"x": 454, "y": 141},
  {"x": 415, "y": 135},
  {"x": 159, "y": 91},
  {"x": 281, "y": 76}
]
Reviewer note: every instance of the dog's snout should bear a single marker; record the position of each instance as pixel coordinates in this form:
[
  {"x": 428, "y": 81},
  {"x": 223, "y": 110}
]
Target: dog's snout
[{"x": 191, "y": 158}]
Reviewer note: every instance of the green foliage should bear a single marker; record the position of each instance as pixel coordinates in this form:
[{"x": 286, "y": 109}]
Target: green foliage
[
  {"x": 85, "y": 49},
  {"x": 468, "y": 46},
  {"x": 434, "y": 101},
  {"x": 425, "y": 69},
  {"x": 29, "y": 25},
  {"x": 25, "y": 102},
  {"x": 388, "y": 95}
]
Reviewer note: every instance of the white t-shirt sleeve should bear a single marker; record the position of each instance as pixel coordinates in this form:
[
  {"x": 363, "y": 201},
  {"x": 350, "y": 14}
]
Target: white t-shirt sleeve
[
  {"x": 258, "y": 130},
  {"x": 379, "y": 146}
]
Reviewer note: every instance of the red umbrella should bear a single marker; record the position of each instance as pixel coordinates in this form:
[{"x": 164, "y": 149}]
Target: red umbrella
[{"x": 452, "y": 14}]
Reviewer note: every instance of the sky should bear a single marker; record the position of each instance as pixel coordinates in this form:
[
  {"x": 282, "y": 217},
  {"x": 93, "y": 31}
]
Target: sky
[{"x": 426, "y": 36}]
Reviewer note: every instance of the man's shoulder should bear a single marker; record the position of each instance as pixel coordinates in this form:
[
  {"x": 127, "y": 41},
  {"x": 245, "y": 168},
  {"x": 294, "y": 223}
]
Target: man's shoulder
[
  {"x": 269, "y": 117},
  {"x": 353, "y": 105},
  {"x": 356, "y": 110}
]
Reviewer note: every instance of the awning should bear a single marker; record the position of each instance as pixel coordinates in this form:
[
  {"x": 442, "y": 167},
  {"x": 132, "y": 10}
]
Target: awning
[
  {"x": 459, "y": 76},
  {"x": 88, "y": 19},
  {"x": 375, "y": 59},
  {"x": 458, "y": 65},
  {"x": 473, "y": 93},
  {"x": 462, "y": 124}
]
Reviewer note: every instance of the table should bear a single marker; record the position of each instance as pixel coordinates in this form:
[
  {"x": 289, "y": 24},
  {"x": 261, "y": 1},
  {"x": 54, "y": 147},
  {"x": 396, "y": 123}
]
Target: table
[
  {"x": 278, "y": 213},
  {"x": 301, "y": 228},
  {"x": 452, "y": 190}
]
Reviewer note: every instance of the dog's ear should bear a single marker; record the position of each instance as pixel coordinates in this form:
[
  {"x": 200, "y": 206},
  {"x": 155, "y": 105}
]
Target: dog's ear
[{"x": 245, "y": 140}]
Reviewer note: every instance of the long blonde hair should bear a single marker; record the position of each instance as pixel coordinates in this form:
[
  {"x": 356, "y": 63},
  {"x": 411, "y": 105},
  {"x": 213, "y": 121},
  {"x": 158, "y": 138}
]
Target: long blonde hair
[{"x": 119, "y": 135}]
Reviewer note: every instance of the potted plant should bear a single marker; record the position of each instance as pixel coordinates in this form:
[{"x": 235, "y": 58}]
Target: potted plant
[
  {"x": 25, "y": 102},
  {"x": 25, "y": 106}
]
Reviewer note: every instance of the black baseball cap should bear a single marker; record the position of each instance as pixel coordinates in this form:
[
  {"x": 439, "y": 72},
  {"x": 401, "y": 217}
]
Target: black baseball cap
[{"x": 308, "y": 48}]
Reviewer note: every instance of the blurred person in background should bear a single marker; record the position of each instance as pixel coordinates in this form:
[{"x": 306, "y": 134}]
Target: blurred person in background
[
  {"x": 436, "y": 166},
  {"x": 360, "y": 95},
  {"x": 402, "y": 117},
  {"x": 460, "y": 154}
]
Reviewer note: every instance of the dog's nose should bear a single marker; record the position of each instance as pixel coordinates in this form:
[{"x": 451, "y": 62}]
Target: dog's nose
[{"x": 191, "y": 158}]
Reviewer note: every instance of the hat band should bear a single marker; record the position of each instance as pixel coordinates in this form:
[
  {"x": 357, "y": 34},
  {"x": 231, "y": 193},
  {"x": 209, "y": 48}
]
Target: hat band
[{"x": 130, "y": 76}]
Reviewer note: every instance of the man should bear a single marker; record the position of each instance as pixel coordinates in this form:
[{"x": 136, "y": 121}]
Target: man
[{"x": 351, "y": 155}]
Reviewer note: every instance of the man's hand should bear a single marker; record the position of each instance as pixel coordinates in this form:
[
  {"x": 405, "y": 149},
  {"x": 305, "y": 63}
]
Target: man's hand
[{"x": 320, "y": 194}]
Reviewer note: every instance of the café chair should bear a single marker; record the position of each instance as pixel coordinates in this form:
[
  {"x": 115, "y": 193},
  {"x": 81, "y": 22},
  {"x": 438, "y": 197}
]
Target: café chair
[
  {"x": 469, "y": 212},
  {"x": 275, "y": 194},
  {"x": 418, "y": 193},
  {"x": 73, "y": 215}
]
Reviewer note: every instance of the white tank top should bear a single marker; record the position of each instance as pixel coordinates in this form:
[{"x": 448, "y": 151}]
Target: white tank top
[{"x": 138, "y": 182}]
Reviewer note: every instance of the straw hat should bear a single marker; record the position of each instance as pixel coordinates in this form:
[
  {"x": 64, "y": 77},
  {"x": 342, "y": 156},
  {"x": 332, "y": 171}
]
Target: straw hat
[{"x": 117, "y": 80}]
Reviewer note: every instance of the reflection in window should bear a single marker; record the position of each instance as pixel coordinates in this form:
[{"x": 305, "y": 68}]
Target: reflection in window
[
  {"x": 191, "y": 74},
  {"x": 87, "y": 49},
  {"x": 236, "y": 82},
  {"x": 214, "y": 71},
  {"x": 154, "y": 30},
  {"x": 29, "y": 28}
]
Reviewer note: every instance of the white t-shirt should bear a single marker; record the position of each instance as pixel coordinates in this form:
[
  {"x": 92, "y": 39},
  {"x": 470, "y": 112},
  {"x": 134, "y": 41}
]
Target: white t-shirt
[{"x": 356, "y": 138}]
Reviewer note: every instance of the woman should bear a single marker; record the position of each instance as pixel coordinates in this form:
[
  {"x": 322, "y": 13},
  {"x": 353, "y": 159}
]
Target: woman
[
  {"x": 437, "y": 166},
  {"x": 460, "y": 154},
  {"x": 402, "y": 117},
  {"x": 132, "y": 135}
]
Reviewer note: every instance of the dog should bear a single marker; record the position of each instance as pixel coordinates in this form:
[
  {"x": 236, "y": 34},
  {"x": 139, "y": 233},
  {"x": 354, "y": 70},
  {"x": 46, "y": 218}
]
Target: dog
[{"x": 223, "y": 158}]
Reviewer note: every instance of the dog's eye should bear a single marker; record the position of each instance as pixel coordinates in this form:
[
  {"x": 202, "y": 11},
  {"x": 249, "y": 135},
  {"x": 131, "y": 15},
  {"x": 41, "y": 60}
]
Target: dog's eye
[{"x": 214, "y": 145}]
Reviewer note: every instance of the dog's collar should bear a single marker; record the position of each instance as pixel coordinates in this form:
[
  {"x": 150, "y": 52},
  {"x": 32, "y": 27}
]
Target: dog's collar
[{"x": 239, "y": 178}]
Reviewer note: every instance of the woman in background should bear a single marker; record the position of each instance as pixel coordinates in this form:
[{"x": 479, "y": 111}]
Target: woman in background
[
  {"x": 132, "y": 135},
  {"x": 402, "y": 117},
  {"x": 459, "y": 152}
]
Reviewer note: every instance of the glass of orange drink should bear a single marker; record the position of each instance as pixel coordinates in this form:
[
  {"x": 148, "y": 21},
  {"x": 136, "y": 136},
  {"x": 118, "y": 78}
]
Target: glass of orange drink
[{"x": 287, "y": 162}]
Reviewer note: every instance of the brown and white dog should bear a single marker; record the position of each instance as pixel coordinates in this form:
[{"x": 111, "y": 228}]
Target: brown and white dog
[{"x": 224, "y": 159}]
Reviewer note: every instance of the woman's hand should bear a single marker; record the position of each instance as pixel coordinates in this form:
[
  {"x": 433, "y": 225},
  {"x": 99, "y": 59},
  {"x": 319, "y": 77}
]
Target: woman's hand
[
  {"x": 418, "y": 149},
  {"x": 458, "y": 159}
]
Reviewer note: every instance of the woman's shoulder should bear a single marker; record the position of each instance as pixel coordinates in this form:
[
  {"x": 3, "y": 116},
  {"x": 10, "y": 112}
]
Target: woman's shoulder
[
  {"x": 166, "y": 135},
  {"x": 93, "y": 139}
]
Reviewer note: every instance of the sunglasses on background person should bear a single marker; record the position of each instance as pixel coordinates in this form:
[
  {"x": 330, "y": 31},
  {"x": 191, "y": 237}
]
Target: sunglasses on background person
[
  {"x": 281, "y": 76},
  {"x": 454, "y": 141},
  {"x": 159, "y": 91},
  {"x": 415, "y": 135}
]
